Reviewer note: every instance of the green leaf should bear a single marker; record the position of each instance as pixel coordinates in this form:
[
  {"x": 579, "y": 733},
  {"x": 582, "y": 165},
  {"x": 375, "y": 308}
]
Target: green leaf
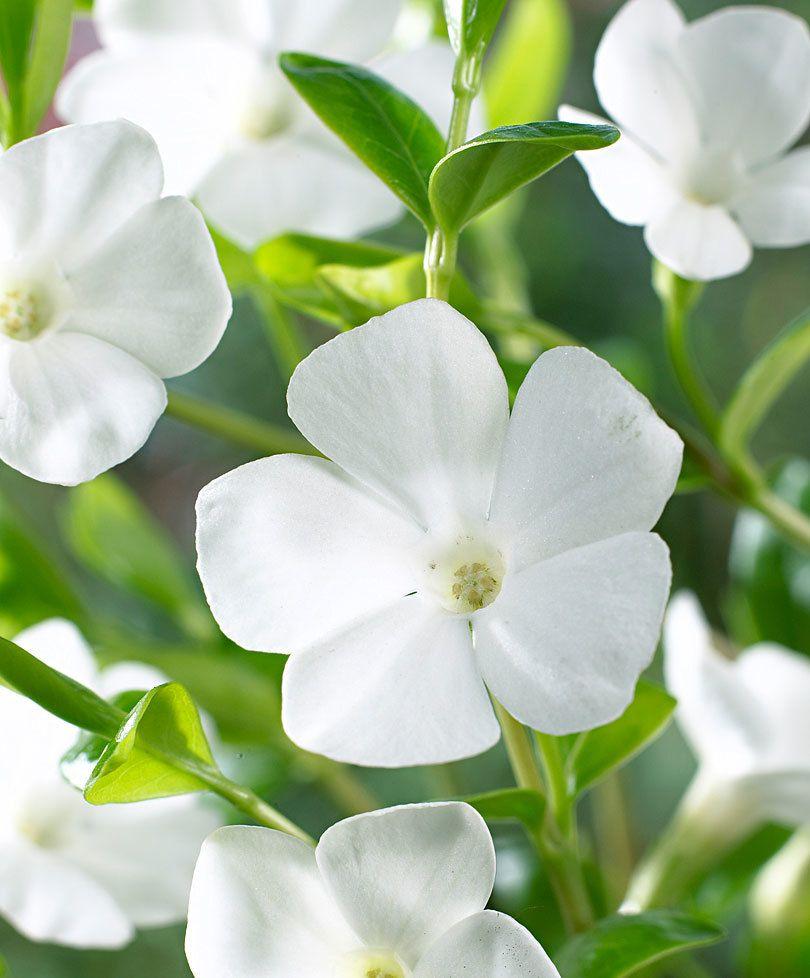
[
  {"x": 763, "y": 382},
  {"x": 48, "y": 53},
  {"x": 525, "y": 70},
  {"x": 623, "y": 943},
  {"x": 80, "y": 760},
  {"x": 114, "y": 535},
  {"x": 392, "y": 135},
  {"x": 471, "y": 24},
  {"x": 521, "y": 804},
  {"x": 16, "y": 29},
  {"x": 57, "y": 693},
  {"x": 488, "y": 168},
  {"x": 160, "y": 750},
  {"x": 596, "y": 752}
]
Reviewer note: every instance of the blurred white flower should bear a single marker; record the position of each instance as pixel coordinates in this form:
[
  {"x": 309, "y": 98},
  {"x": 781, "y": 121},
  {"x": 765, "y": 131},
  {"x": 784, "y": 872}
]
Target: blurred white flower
[
  {"x": 398, "y": 893},
  {"x": 202, "y": 77},
  {"x": 71, "y": 873},
  {"x": 447, "y": 550},
  {"x": 748, "y": 722},
  {"x": 708, "y": 111},
  {"x": 105, "y": 288}
]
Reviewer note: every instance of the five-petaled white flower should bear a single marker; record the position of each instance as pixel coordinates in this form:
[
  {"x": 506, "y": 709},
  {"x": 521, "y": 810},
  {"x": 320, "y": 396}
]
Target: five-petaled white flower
[
  {"x": 447, "y": 549},
  {"x": 398, "y": 893},
  {"x": 707, "y": 111},
  {"x": 105, "y": 288},
  {"x": 747, "y": 721},
  {"x": 203, "y": 78},
  {"x": 70, "y": 873}
]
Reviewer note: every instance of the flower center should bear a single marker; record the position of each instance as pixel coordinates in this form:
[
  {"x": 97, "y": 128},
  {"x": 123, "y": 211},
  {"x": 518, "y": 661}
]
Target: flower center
[
  {"x": 372, "y": 963},
  {"x": 466, "y": 576},
  {"x": 474, "y": 586},
  {"x": 711, "y": 178},
  {"x": 22, "y": 316}
]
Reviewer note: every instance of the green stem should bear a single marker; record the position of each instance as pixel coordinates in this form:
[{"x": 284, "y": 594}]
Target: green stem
[
  {"x": 519, "y": 748},
  {"x": 791, "y": 521},
  {"x": 236, "y": 427},
  {"x": 554, "y": 771}
]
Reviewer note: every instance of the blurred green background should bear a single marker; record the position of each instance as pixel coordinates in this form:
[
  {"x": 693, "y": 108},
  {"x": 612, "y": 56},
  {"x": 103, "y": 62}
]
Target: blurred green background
[{"x": 62, "y": 552}]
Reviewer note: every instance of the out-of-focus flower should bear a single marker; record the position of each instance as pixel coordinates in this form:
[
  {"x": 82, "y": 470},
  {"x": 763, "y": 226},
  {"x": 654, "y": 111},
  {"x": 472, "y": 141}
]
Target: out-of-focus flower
[
  {"x": 447, "y": 549},
  {"x": 708, "y": 111},
  {"x": 747, "y": 721},
  {"x": 398, "y": 893},
  {"x": 70, "y": 873},
  {"x": 105, "y": 288},
  {"x": 202, "y": 77}
]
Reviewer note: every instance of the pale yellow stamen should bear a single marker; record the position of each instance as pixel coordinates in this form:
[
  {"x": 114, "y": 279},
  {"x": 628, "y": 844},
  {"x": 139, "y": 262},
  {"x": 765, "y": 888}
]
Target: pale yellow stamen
[
  {"x": 21, "y": 313},
  {"x": 474, "y": 586}
]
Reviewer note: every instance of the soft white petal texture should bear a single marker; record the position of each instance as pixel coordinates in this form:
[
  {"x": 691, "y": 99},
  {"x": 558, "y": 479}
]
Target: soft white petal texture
[
  {"x": 288, "y": 183},
  {"x": 567, "y": 638},
  {"x": 718, "y": 715},
  {"x": 155, "y": 289},
  {"x": 185, "y": 93},
  {"x": 77, "y": 406},
  {"x": 403, "y": 876},
  {"x": 47, "y": 899},
  {"x": 781, "y": 796},
  {"x": 414, "y": 404},
  {"x": 350, "y": 30},
  {"x": 398, "y": 688},
  {"x": 63, "y": 193},
  {"x": 640, "y": 81},
  {"x": 486, "y": 945},
  {"x": 122, "y": 677},
  {"x": 585, "y": 458},
  {"x": 698, "y": 241},
  {"x": 750, "y": 68},
  {"x": 630, "y": 184},
  {"x": 290, "y": 549},
  {"x": 258, "y": 907},
  {"x": 774, "y": 208},
  {"x": 61, "y": 645}
]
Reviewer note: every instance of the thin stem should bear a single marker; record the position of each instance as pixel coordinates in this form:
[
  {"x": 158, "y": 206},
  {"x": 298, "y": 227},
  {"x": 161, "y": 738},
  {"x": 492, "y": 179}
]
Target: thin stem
[
  {"x": 791, "y": 521},
  {"x": 519, "y": 748},
  {"x": 554, "y": 771},
  {"x": 236, "y": 427}
]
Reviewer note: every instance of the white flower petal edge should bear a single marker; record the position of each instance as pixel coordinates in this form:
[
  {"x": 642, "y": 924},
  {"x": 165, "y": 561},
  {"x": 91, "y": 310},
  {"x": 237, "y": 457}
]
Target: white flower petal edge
[
  {"x": 399, "y": 890},
  {"x": 706, "y": 110},
  {"x": 105, "y": 289},
  {"x": 70, "y": 873}
]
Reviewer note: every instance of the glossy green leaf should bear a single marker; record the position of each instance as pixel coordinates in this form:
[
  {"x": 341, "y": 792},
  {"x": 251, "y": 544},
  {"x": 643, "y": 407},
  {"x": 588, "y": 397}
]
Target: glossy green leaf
[
  {"x": 621, "y": 944},
  {"x": 160, "y": 750},
  {"x": 114, "y": 535},
  {"x": 392, "y": 135},
  {"x": 49, "y": 50},
  {"x": 526, "y": 66},
  {"x": 488, "y": 168},
  {"x": 57, "y": 693},
  {"x": 79, "y": 762},
  {"x": 599, "y": 751},
  {"x": 521, "y": 804},
  {"x": 763, "y": 382},
  {"x": 471, "y": 24},
  {"x": 16, "y": 28}
]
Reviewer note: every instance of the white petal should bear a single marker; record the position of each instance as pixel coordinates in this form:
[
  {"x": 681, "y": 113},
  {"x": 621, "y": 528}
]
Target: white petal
[
  {"x": 350, "y": 30},
  {"x": 630, "y": 184},
  {"x": 155, "y": 289},
  {"x": 77, "y": 407},
  {"x": 720, "y": 718},
  {"x": 751, "y": 71},
  {"x": 291, "y": 549},
  {"x": 47, "y": 899},
  {"x": 185, "y": 93},
  {"x": 698, "y": 241},
  {"x": 403, "y": 876},
  {"x": 774, "y": 208},
  {"x": 129, "y": 22},
  {"x": 779, "y": 680},
  {"x": 566, "y": 640},
  {"x": 585, "y": 458},
  {"x": 281, "y": 184},
  {"x": 62, "y": 646},
  {"x": 399, "y": 688},
  {"x": 414, "y": 404},
  {"x": 639, "y": 80},
  {"x": 122, "y": 677},
  {"x": 63, "y": 193},
  {"x": 486, "y": 945},
  {"x": 258, "y": 907},
  {"x": 777, "y": 796},
  {"x": 144, "y": 854}
]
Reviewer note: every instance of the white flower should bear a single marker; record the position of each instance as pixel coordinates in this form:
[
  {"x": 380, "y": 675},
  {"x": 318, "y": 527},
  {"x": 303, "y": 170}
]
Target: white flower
[
  {"x": 747, "y": 720},
  {"x": 70, "y": 873},
  {"x": 398, "y": 893},
  {"x": 447, "y": 549},
  {"x": 105, "y": 288},
  {"x": 202, "y": 77},
  {"x": 708, "y": 111}
]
